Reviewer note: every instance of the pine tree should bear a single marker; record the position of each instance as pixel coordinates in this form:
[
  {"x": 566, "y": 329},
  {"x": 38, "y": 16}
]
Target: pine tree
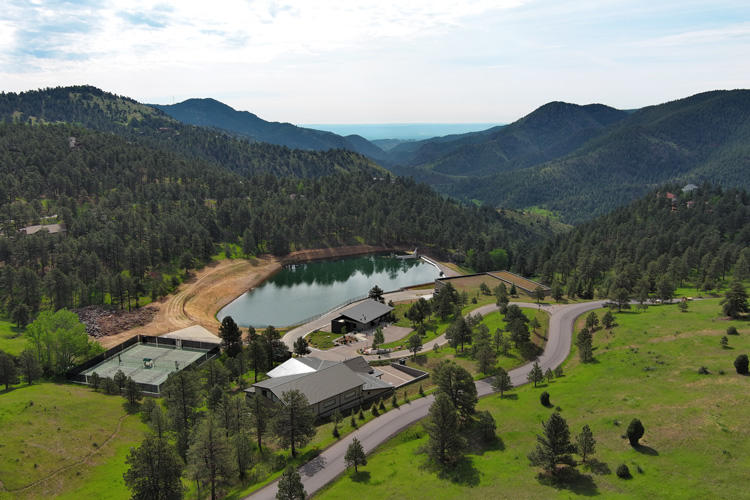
[
  {"x": 293, "y": 423},
  {"x": 154, "y": 471},
  {"x": 535, "y": 375},
  {"x": 231, "y": 336},
  {"x": 355, "y": 455},
  {"x": 553, "y": 445},
  {"x": 585, "y": 442},
  {"x": 735, "y": 302},
  {"x": 445, "y": 445},
  {"x": 585, "y": 347},
  {"x": 210, "y": 455},
  {"x": 458, "y": 385},
  {"x": 501, "y": 382},
  {"x": 290, "y": 485}
]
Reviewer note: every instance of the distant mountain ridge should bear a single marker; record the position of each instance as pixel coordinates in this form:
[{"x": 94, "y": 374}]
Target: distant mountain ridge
[
  {"x": 548, "y": 132},
  {"x": 705, "y": 137},
  {"x": 105, "y": 112},
  {"x": 208, "y": 112}
]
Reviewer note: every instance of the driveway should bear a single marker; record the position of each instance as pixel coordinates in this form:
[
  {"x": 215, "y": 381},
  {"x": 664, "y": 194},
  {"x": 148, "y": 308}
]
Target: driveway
[{"x": 330, "y": 463}]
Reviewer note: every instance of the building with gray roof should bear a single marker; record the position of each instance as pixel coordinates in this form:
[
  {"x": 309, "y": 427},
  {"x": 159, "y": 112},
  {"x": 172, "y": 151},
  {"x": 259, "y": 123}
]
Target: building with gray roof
[
  {"x": 361, "y": 316},
  {"x": 329, "y": 387}
]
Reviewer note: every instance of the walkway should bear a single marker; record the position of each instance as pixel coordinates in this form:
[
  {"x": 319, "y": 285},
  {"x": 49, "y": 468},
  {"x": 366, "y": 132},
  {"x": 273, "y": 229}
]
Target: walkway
[{"x": 330, "y": 463}]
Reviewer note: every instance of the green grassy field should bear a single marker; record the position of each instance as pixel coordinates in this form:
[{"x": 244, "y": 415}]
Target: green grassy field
[
  {"x": 427, "y": 361},
  {"x": 47, "y": 426},
  {"x": 696, "y": 439},
  {"x": 322, "y": 340},
  {"x": 12, "y": 340}
]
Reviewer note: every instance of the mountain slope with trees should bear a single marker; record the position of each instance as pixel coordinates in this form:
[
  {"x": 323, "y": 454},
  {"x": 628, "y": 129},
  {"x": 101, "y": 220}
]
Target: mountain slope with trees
[
  {"x": 135, "y": 216},
  {"x": 705, "y": 137},
  {"x": 662, "y": 241},
  {"x": 106, "y": 112},
  {"x": 212, "y": 113},
  {"x": 549, "y": 132}
]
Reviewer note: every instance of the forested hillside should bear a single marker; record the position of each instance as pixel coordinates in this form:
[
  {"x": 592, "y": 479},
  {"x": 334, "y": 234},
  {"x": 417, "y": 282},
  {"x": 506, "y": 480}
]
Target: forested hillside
[
  {"x": 705, "y": 137},
  {"x": 551, "y": 131},
  {"x": 212, "y": 113},
  {"x": 99, "y": 110},
  {"x": 662, "y": 241},
  {"x": 133, "y": 213}
]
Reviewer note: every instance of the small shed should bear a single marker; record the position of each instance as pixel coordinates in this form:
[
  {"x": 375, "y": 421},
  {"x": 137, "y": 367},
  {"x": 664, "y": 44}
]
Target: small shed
[{"x": 361, "y": 316}]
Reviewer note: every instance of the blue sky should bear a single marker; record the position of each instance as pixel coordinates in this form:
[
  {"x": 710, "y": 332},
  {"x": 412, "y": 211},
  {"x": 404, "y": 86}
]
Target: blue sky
[{"x": 385, "y": 61}]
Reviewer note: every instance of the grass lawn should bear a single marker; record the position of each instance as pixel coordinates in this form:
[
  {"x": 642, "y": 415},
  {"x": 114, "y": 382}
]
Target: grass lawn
[
  {"x": 427, "y": 361},
  {"x": 696, "y": 439},
  {"x": 322, "y": 340},
  {"x": 12, "y": 339},
  {"x": 48, "y": 426}
]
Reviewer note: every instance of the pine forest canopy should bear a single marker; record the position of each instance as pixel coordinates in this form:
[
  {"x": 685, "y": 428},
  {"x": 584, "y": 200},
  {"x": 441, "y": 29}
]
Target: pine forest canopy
[
  {"x": 98, "y": 110},
  {"x": 702, "y": 236},
  {"x": 132, "y": 210}
]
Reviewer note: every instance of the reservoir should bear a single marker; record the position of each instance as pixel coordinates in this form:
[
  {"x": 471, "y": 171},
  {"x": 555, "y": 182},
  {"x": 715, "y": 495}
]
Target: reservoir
[{"x": 301, "y": 291}]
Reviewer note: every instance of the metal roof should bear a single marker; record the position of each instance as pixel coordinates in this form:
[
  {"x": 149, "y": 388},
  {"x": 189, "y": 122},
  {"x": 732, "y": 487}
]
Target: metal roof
[
  {"x": 317, "y": 386},
  {"x": 366, "y": 311},
  {"x": 292, "y": 366},
  {"x": 373, "y": 383},
  {"x": 359, "y": 365}
]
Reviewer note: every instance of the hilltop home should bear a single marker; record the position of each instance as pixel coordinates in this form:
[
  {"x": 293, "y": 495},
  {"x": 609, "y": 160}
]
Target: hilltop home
[{"x": 327, "y": 385}]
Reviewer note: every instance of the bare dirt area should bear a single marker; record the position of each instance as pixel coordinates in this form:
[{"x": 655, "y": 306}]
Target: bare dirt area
[
  {"x": 102, "y": 322},
  {"x": 209, "y": 289}
]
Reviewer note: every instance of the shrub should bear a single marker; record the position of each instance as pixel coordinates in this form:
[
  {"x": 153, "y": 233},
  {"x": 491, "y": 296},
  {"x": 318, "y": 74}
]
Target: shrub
[
  {"x": 741, "y": 364},
  {"x": 732, "y": 330},
  {"x": 421, "y": 391},
  {"x": 623, "y": 472},
  {"x": 635, "y": 431},
  {"x": 375, "y": 412},
  {"x": 279, "y": 462},
  {"x": 394, "y": 401},
  {"x": 361, "y": 415},
  {"x": 381, "y": 406},
  {"x": 544, "y": 399},
  {"x": 336, "y": 433},
  {"x": 703, "y": 370},
  {"x": 487, "y": 426}
]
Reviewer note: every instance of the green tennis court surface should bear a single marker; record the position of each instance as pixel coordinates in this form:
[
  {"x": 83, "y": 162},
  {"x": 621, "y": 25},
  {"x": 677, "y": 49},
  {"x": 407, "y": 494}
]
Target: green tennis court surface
[{"x": 165, "y": 360}]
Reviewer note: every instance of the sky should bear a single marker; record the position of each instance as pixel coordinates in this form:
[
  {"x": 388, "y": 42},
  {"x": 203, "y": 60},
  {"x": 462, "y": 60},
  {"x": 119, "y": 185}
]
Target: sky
[{"x": 382, "y": 61}]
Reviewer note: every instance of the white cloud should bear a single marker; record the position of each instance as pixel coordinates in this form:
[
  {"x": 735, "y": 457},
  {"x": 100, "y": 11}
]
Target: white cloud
[{"x": 359, "y": 61}]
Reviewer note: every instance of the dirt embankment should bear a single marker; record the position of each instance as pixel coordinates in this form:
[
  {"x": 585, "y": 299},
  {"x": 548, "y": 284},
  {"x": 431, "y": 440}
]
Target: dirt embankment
[{"x": 209, "y": 289}]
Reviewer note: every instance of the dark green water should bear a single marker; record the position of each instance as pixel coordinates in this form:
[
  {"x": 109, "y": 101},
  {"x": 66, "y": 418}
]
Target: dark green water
[{"x": 301, "y": 291}]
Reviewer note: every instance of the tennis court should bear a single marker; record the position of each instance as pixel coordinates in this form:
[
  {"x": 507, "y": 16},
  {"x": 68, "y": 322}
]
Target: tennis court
[{"x": 147, "y": 363}]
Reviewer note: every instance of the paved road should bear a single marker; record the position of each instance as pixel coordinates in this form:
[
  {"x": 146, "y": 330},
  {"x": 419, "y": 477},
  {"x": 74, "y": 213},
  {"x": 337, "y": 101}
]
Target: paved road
[{"x": 330, "y": 463}]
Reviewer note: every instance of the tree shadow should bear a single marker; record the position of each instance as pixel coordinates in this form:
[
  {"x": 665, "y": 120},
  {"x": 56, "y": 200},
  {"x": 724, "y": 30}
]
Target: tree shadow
[
  {"x": 462, "y": 472},
  {"x": 362, "y": 476},
  {"x": 313, "y": 466},
  {"x": 477, "y": 445},
  {"x": 646, "y": 450},
  {"x": 510, "y": 396},
  {"x": 9, "y": 389},
  {"x": 598, "y": 467},
  {"x": 570, "y": 479}
]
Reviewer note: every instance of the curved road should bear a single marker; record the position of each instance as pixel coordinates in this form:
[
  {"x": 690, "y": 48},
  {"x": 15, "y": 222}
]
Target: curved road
[{"x": 330, "y": 463}]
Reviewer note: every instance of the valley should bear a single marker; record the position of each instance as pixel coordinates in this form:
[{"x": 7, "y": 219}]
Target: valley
[{"x": 562, "y": 212}]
